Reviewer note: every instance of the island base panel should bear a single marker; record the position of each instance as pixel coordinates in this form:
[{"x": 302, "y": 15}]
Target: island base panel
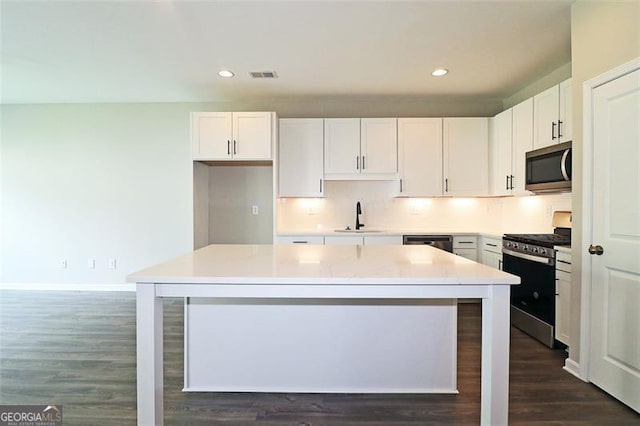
[{"x": 335, "y": 345}]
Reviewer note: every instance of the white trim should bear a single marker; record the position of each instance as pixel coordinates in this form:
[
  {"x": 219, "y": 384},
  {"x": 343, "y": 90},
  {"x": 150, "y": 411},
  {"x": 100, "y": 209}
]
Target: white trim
[
  {"x": 67, "y": 287},
  {"x": 572, "y": 367},
  {"x": 587, "y": 224}
]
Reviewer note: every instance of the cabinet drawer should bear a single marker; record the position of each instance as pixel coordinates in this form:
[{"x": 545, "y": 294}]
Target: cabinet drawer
[
  {"x": 301, "y": 239},
  {"x": 469, "y": 253},
  {"x": 492, "y": 245},
  {"x": 463, "y": 242},
  {"x": 563, "y": 261},
  {"x": 370, "y": 240}
]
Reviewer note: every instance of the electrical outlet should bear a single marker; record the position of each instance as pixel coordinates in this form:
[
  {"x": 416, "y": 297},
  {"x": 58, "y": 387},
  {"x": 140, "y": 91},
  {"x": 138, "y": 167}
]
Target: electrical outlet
[
  {"x": 63, "y": 263},
  {"x": 549, "y": 210},
  {"x": 112, "y": 264},
  {"x": 91, "y": 264},
  {"x": 255, "y": 210}
]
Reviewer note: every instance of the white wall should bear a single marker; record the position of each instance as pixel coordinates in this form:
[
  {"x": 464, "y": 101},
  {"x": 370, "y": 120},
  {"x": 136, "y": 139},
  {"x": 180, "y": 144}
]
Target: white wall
[
  {"x": 96, "y": 182},
  {"x": 381, "y": 210}
]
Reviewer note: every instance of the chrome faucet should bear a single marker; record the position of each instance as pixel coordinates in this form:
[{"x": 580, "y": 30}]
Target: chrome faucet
[{"x": 358, "y": 213}]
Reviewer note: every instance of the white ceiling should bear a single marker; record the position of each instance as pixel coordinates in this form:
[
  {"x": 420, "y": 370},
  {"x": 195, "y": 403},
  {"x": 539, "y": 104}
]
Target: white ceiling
[{"x": 171, "y": 51}]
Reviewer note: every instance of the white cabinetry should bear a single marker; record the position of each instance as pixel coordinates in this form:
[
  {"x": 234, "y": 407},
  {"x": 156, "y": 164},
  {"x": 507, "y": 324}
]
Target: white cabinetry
[
  {"x": 466, "y": 156},
  {"x": 466, "y": 246},
  {"x": 563, "y": 296},
  {"x": 500, "y": 158},
  {"x": 342, "y": 240},
  {"x": 522, "y": 141},
  {"x": 299, "y": 239},
  {"x": 367, "y": 240},
  {"x": 552, "y": 115},
  {"x": 420, "y": 156},
  {"x": 511, "y": 138},
  {"x": 360, "y": 148},
  {"x": 231, "y": 135},
  {"x": 379, "y": 240},
  {"x": 300, "y": 154},
  {"x": 491, "y": 252}
]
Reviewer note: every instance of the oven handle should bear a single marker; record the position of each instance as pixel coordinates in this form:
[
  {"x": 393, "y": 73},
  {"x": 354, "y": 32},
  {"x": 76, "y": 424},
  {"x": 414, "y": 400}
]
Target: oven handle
[{"x": 538, "y": 259}]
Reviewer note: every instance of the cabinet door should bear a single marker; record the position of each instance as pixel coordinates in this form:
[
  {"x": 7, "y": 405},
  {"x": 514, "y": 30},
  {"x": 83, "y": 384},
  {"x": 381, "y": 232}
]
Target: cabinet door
[
  {"x": 341, "y": 146},
  {"x": 563, "y": 306},
  {"x": 252, "y": 135},
  {"x": 211, "y": 135},
  {"x": 492, "y": 259},
  {"x": 545, "y": 117},
  {"x": 300, "y": 153},
  {"x": 420, "y": 156},
  {"x": 500, "y": 156},
  {"x": 379, "y": 146},
  {"x": 565, "y": 119},
  {"x": 466, "y": 156},
  {"x": 522, "y": 142},
  {"x": 342, "y": 240},
  {"x": 382, "y": 240}
]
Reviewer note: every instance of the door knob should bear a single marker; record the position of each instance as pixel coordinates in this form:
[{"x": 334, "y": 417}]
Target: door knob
[{"x": 596, "y": 250}]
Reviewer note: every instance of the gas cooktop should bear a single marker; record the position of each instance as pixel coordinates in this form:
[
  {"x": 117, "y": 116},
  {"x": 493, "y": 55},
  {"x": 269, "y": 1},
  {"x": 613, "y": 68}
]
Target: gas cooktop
[{"x": 544, "y": 240}]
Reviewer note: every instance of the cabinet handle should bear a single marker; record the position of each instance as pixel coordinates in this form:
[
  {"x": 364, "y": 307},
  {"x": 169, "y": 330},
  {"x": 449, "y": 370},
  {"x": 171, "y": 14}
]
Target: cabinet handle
[
  {"x": 559, "y": 131},
  {"x": 320, "y": 185},
  {"x": 228, "y": 147},
  {"x": 235, "y": 150},
  {"x": 511, "y": 182},
  {"x": 400, "y": 185},
  {"x": 500, "y": 264},
  {"x": 492, "y": 245},
  {"x": 446, "y": 185},
  {"x": 563, "y": 261},
  {"x": 357, "y": 162},
  {"x": 300, "y": 242},
  {"x": 465, "y": 242},
  {"x": 363, "y": 162},
  {"x": 553, "y": 130},
  {"x": 507, "y": 184}
]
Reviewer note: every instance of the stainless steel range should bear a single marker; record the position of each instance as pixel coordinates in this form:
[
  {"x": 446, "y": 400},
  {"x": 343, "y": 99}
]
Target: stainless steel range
[{"x": 533, "y": 259}]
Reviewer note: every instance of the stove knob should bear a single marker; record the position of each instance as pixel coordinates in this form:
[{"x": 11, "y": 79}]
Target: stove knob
[
  {"x": 525, "y": 247},
  {"x": 534, "y": 249},
  {"x": 543, "y": 251}
]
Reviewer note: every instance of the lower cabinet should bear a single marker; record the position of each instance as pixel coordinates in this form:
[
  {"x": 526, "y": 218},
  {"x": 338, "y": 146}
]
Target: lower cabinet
[
  {"x": 466, "y": 246},
  {"x": 491, "y": 252},
  {"x": 563, "y": 296},
  {"x": 368, "y": 240},
  {"x": 300, "y": 239}
]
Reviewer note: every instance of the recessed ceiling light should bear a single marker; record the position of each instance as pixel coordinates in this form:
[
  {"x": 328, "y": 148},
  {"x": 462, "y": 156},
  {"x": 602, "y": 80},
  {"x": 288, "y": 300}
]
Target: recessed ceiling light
[
  {"x": 439, "y": 72},
  {"x": 225, "y": 73}
]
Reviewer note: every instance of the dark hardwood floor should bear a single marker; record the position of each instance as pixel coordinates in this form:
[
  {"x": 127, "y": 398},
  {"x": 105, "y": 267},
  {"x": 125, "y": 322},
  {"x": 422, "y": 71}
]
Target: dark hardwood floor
[{"x": 77, "y": 349}]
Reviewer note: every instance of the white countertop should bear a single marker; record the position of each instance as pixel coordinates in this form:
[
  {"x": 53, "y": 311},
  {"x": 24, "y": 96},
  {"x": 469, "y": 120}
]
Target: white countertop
[
  {"x": 316, "y": 264},
  {"x": 385, "y": 231}
]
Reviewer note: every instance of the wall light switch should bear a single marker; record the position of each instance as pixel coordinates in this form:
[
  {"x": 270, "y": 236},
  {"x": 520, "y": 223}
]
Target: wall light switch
[
  {"x": 255, "y": 210},
  {"x": 91, "y": 264},
  {"x": 112, "y": 264},
  {"x": 63, "y": 263}
]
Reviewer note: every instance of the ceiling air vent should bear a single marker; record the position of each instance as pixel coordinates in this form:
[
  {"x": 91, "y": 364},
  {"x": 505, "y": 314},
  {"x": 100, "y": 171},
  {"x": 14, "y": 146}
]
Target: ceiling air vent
[{"x": 263, "y": 74}]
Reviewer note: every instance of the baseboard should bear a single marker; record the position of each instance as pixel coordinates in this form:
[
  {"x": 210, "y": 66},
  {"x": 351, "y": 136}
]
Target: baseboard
[
  {"x": 67, "y": 287},
  {"x": 572, "y": 367}
]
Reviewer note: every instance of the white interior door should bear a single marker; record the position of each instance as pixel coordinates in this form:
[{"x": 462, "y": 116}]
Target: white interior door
[{"x": 615, "y": 273}]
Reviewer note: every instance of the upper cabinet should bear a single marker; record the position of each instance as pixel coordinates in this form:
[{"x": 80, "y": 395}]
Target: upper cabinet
[
  {"x": 360, "y": 148},
  {"x": 511, "y": 136},
  {"x": 232, "y": 135},
  {"x": 300, "y": 153},
  {"x": 420, "y": 157},
  {"x": 466, "y": 156},
  {"x": 552, "y": 115}
]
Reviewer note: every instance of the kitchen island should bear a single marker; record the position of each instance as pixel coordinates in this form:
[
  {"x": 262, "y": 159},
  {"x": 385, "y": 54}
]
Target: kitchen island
[{"x": 312, "y": 279}]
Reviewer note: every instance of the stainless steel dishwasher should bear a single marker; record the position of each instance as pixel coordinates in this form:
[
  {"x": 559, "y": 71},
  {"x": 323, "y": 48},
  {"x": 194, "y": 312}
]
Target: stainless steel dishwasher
[{"x": 443, "y": 242}]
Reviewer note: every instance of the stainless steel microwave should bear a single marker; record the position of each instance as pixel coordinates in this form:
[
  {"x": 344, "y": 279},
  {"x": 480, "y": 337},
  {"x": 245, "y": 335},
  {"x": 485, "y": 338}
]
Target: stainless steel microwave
[{"x": 548, "y": 169}]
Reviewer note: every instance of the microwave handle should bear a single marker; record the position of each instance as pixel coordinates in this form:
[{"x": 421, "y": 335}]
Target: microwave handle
[{"x": 563, "y": 164}]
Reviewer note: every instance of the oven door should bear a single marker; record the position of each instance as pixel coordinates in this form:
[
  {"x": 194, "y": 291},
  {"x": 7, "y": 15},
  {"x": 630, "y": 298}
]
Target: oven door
[{"x": 536, "y": 293}]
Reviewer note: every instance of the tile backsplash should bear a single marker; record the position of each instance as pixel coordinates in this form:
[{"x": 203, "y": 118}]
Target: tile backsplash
[{"x": 380, "y": 210}]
